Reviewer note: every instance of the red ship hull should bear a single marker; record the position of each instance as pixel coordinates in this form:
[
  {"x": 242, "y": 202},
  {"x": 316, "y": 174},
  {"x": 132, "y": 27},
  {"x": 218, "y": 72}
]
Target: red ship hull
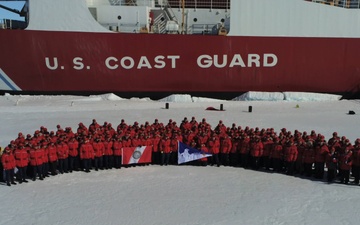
[{"x": 50, "y": 61}]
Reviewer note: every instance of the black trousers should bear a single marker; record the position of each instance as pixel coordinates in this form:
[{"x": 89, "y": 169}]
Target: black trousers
[
  {"x": 244, "y": 158},
  {"x": 165, "y": 158},
  {"x": 290, "y": 168},
  {"x": 356, "y": 173},
  {"x": 308, "y": 169},
  {"x": 331, "y": 175},
  {"x": 53, "y": 166},
  {"x": 345, "y": 176},
  {"x": 234, "y": 159},
  {"x": 9, "y": 174},
  {"x": 117, "y": 161},
  {"x": 225, "y": 159},
  {"x": 108, "y": 161},
  {"x": 22, "y": 173},
  {"x": 277, "y": 164},
  {"x": 98, "y": 162},
  {"x": 63, "y": 165},
  {"x": 45, "y": 169},
  {"x": 37, "y": 171},
  {"x": 215, "y": 159},
  {"x": 319, "y": 170},
  {"x": 72, "y": 160},
  {"x": 86, "y": 164}
]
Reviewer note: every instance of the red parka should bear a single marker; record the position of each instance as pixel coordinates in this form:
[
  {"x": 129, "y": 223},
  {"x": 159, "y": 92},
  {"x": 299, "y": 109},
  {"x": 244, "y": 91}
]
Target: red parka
[
  {"x": 256, "y": 149},
  {"x": 320, "y": 153},
  {"x": 8, "y": 160},
  {"x": 117, "y": 148},
  {"x": 226, "y": 145},
  {"x": 345, "y": 160},
  {"x": 108, "y": 145},
  {"x": 73, "y": 148},
  {"x": 277, "y": 151},
  {"x": 99, "y": 148},
  {"x": 52, "y": 153},
  {"x": 86, "y": 151},
  {"x": 214, "y": 146},
  {"x": 21, "y": 157},
  {"x": 62, "y": 151},
  {"x": 290, "y": 153},
  {"x": 309, "y": 155},
  {"x": 165, "y": 145},
  {"x": 36, "y": 156}
]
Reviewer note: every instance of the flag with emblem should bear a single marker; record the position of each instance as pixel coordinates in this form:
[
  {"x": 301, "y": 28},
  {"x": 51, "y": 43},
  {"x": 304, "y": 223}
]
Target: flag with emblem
[
  {"x": 187, "y": 153},
  {"x": 134, "y": 155}
]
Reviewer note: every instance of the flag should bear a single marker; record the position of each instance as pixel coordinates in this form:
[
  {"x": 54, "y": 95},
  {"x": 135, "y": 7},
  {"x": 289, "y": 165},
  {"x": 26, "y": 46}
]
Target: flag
[
  {"x": 133, "y": 155},
  {"x": 187, "y": 153}
]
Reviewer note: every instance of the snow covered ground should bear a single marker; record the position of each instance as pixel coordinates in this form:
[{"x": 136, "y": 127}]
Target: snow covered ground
[{"x": 179, "y": 194}]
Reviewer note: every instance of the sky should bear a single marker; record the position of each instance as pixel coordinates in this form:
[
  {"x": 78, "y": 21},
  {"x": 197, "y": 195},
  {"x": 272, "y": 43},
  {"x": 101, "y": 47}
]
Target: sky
[
  {"x": 179, "y": 195},
  {"x": 4, "y": 14}
]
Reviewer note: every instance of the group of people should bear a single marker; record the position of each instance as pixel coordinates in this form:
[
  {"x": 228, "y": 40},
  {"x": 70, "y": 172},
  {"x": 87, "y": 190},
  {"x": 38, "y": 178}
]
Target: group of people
[{"x": 98, "y": 146}]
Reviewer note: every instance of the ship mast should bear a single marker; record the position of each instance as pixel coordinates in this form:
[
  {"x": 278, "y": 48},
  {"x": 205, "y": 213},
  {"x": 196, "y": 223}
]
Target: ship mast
[{"x": 183, "y": 17}]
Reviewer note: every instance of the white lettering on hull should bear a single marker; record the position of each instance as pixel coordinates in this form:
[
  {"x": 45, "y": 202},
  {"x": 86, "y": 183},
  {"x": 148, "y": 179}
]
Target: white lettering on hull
[
  {"x": 129, "y": 63},
  {"x": 253, "y": 60}
]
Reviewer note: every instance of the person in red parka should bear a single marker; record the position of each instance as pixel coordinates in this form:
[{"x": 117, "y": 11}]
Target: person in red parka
[
  {"x": 356, "y": 161},
  {"x": 165, "y": 150},
  {"x": 155, "y": 149},
  {"x": 214, "y": 148},
  {"x": 225, "y": 147},
  {"x": 8, "y": 162},
  {"x": 73, "y": 145},
  {"x": 45, "y": 168},
  {"x": 268, "y": 143},
  {"x": 244, "y": 151},
  {"x": 62, "y": 153},
  {"x": 345, "y": 163},
  {"x": 174, "y": 149},
  {"x": 204, "y": 161},
  {"x": 52, "y": 153},
  {"x": 331, "y": 164},
  {"x": 117, "y": 149},
  {"x": 290, "y": 156},
  {"x": 86, "y": 154},
  {"x": 308, "y": 158},
  {"x": 22, "y": 161},
  {"x": 36, "y": 161},
  {"x": 108, "y": 157},
  {"x": 99, "y": 150},
  {"x": 256, "y": 150},
  {"x": 321, "y": 151},
  {"x": 234, "y": 154}
]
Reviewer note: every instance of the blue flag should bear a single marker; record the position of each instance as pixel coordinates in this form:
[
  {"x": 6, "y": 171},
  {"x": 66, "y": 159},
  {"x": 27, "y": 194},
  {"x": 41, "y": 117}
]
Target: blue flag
[{"x": 187, "y": 153}]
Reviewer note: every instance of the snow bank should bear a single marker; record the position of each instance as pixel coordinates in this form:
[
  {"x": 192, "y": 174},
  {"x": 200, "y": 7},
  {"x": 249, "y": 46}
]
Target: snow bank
[
  {"x": 177, "y": 98},
  {"x": 198, "y": 99},
  {"x": 287, "y": 96},
  {"x": 307, "y": 96},
  {"x": 260, "y": 96}
]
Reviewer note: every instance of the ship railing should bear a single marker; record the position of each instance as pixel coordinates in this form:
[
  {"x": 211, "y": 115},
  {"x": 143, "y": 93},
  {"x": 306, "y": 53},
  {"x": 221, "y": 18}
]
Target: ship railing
[
  {"x": 195, "y": 4},
  {"x": 349, "y": 4},
  {"x": 200, "y": 4},
  {"x": 204, "y": 29},
  {"x": 125, "y": 27}
]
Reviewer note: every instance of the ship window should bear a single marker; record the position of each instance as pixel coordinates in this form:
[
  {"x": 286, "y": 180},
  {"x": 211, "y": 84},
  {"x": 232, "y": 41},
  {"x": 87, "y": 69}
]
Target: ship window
[{"x": 195, "y": 20}]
